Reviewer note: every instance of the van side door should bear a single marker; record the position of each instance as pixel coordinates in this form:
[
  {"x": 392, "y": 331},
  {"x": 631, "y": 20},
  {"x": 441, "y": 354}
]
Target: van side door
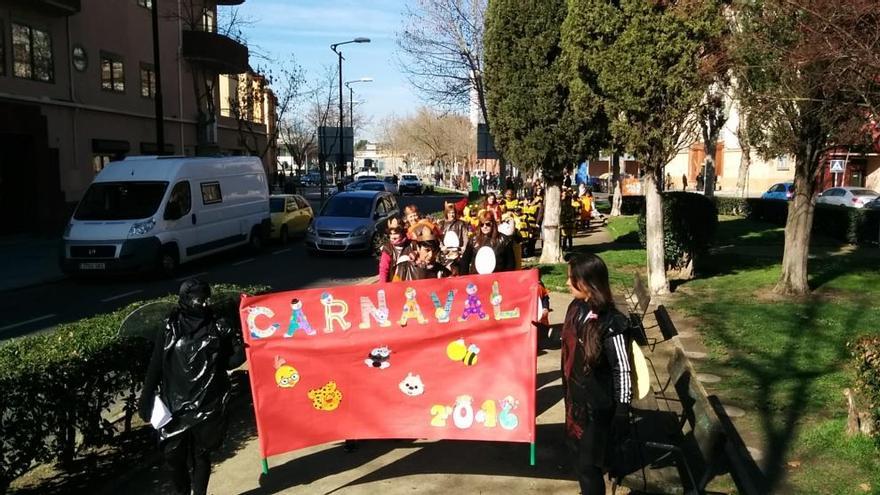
[{"x": 179, "y": 218}]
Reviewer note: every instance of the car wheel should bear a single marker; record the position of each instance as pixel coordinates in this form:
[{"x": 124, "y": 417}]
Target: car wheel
[
  {"x": 168, "y": 262},
  {"x": 284, "y": 235},
  {"x": 256, "y": 241}
]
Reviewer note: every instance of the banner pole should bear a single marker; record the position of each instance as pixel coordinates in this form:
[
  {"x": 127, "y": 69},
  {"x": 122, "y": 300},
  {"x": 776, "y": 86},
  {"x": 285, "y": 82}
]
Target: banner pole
[
  {"x": 532, "y": 454},
  {"x": 265, "y": 463}
]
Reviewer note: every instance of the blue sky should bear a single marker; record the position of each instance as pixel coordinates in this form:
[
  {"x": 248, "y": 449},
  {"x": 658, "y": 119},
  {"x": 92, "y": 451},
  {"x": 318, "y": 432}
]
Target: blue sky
[{"x": 306, "y": 28}]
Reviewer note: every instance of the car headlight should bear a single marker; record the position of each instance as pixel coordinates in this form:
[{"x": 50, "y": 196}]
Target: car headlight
[
  {"x": 359, "y": 231},
  {"x": 141, "y": 228}
]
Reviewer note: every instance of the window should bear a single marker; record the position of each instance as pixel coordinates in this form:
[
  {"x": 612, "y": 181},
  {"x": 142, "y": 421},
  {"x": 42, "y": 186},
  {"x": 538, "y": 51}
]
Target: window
[
  {"x": 211, "y": 193},
  {"x": 100, "y": 161},
  {"x": 2, "y": 50},
  {"x": 146, "y": 3},
  {"x": 208, "y": 21},
  {"x": 32, "y": 53},
  {"x": 148, "y": 81},
  {"x": 782, "y": 163},
  {"x": 301, "y": 202},
  {"x": 112, "y": 73},
  {"x": 180, "y": 201}
]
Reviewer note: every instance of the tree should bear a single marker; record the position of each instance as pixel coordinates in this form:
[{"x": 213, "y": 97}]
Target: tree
[
  {"x": 745, "y": 146},
  {"x": 431, "y": 137},
  {"x": 812, "y": 75},
  {"x": 712, "y": 115},
  {"x": 442, "y": 42},
  {"x": 539, "y": 123}
]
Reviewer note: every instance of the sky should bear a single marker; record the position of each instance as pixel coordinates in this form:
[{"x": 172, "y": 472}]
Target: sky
[{"x": 306, "y": 28}]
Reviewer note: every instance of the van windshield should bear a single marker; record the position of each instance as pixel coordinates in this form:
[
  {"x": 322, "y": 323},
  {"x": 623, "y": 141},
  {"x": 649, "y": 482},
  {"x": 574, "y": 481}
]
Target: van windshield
[{"x": 120, "y": 200}]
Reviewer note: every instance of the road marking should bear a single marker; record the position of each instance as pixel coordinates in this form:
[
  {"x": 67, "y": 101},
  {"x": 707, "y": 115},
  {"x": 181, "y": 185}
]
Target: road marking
[
  {"x": 197, "y": 275},
  {"x": 237, "y": 263},
  {"x": 281, "y": 251},
  {"x": 32, "y": 320},
  {"x": 120, "y": 296}
]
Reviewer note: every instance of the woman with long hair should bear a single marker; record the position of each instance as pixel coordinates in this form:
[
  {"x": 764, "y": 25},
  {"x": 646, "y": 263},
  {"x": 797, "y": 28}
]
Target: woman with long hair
[
  {"x": 487, "y": 235},
  {"x": 596, "y": 372},
  {"x": 397, "y": 245}
]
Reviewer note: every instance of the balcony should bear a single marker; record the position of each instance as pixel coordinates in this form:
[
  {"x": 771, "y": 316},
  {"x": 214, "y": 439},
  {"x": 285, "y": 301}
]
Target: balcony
[
  {"x": 54, "y": 8},
  {"x": 215, "y": 52}
]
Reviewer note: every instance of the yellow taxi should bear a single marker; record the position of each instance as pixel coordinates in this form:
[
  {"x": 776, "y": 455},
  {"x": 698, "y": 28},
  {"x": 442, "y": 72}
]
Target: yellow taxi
[{"x": 291, "y": 215}]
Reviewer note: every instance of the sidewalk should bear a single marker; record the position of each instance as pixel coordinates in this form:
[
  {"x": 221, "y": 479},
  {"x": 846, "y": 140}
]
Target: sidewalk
[{"x": 26, "y": 261}]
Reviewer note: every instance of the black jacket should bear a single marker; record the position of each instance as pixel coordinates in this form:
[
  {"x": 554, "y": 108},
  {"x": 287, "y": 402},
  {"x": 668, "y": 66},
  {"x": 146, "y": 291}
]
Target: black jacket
[
  {"x": 188, "y": 369},
  {"x": 592, "y": 392}
]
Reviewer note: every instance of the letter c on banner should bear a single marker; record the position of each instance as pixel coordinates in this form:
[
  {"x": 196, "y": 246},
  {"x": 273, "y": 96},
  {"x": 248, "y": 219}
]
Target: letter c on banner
[{"x": 256, "y": 331}]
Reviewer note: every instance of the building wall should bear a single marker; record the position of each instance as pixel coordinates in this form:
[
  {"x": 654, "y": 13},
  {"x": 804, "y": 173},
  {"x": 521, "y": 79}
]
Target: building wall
[{"x": 79, "y": 112}]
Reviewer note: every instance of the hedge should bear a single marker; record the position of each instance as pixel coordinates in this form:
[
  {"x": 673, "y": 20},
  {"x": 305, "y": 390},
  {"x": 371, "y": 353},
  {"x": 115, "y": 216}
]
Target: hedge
[
  {"x": 852, "y": 225},
  {"x": 56, "y": 387},
  {"x": 866, "y": 361},
  {"x": 690, "y": 221}
]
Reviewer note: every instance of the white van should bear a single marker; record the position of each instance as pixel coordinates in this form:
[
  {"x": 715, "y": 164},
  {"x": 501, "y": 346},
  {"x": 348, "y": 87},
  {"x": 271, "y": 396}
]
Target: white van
[{"x": 148, "y": 213}]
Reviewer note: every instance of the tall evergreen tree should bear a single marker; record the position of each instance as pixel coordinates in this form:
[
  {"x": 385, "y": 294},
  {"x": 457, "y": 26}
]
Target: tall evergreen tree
[
  {"x": 653, "y": 61},
  {"x": 529, "y": 101}
]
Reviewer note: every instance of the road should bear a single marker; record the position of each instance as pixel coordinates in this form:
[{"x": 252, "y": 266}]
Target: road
[{"x": 42, "y": 307}]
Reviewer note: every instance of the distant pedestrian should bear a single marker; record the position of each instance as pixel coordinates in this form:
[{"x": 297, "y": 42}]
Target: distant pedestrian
[
  {"x": 699, "y": 181},
  {"x": 596, "y": 372},
  {"x": 668, "y": 185},
  {"x": 187, "y": 371},
  {"x": 684, "y": 182}
]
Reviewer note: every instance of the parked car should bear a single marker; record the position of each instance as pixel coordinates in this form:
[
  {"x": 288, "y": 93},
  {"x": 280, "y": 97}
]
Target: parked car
[
  {"x": 873, "y": 204},
  {"x": 291, "y": 215},
  {"x": 311, "y": 179},
  {"x": 351, "y": 221},
  {"x": 144, "y": 213},
  {"x": 410, "y": 183},
  {"x": 854, "y": 197},
  {"x": 353, "y": 186},
  {"x": 370, "y": 185},
  {"x": 390, "y": 184},
  {"x": 783, "y": 191}
]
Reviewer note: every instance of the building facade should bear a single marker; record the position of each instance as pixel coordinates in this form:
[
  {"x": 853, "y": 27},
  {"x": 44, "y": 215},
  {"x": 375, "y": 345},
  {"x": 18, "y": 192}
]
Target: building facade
[{"x": 78, "y": 86}]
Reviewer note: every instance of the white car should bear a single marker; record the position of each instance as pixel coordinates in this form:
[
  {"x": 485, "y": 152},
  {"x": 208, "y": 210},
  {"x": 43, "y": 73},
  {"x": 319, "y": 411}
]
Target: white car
[
  {"x": 854, "y": 197},
  {"x": 410, "y": 183}
]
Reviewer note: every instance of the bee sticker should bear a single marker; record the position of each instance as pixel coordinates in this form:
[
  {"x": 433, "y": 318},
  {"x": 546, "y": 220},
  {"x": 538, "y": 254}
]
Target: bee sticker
[
  {"x": 286, "y": 376},
  {"x": 326, "y": 398},
  {"x": 458, "y": 351}
]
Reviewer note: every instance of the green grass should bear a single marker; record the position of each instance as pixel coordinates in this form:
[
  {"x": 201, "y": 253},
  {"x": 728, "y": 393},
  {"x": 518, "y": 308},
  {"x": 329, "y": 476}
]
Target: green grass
[{"x": 624, "y": 228}]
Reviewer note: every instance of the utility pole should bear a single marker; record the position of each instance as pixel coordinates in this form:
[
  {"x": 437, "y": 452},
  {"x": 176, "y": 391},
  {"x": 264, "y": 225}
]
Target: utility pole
[{"x": 157, "y": 74}]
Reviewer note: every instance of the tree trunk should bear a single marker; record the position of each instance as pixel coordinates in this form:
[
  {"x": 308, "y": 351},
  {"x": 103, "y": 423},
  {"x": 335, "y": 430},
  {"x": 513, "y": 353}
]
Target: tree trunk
[
  {"x": 617, "y": 195},
  {"x": 654, "y": 233},
  {"x": 550, "y": 251},
  {"x": 709, "y": 176},
  {"x": 798, "y": 227},
  {"x": 745, "y": 160}
]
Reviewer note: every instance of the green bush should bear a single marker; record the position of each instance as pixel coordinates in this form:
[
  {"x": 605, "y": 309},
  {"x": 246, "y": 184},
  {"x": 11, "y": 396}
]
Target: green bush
[
  {"x": 852, "y": 225},
  {"x": 56, "y": 387},
  {"x": 866, "y": 361},
  {"x": 689, "y": 224},
  {"x": 632, "y": 205}
]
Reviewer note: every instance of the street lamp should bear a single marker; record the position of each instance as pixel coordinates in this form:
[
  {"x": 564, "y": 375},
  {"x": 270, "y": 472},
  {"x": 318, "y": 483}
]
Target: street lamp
[
  {"x": 351, "y": 97},
  {"x": 339, "y": 132}
]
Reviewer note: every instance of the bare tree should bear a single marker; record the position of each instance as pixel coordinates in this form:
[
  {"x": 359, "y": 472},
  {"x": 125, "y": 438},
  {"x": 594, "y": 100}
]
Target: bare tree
[
  {"x": 442, "y": 42},
  {"x": 432, "y": 137}
]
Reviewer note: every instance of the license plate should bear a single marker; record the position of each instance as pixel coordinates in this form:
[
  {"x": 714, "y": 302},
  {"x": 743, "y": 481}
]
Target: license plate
[
  {"x": 92, "y": 266},
  {"x": 328, "y": 242}
]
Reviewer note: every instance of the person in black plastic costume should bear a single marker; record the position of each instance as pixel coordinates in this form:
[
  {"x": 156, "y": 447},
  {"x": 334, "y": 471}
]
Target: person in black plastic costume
[
  {"x": 596, "y": 371},
  {"x": 188, "y": 371}
]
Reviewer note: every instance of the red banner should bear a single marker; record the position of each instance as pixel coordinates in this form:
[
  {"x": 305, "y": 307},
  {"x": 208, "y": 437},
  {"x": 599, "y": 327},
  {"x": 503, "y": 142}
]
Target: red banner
[{"x": 437, "y": 359}]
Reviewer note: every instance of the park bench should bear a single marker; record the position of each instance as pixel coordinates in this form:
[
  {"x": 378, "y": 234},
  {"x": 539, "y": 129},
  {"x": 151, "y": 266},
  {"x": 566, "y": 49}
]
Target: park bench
[{"x": 708, "y": 444}]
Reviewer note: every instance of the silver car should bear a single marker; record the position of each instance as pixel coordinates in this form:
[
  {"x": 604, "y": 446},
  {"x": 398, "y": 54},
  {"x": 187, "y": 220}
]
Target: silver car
[
  {"x": 853, "y": 197},
  {"x": 351, "y": 221}
]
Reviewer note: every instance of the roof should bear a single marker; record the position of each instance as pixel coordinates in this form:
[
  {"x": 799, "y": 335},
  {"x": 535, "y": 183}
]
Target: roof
[
  {"x": 168, "y": 168},
  {"x": 358, "y": 194}
]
